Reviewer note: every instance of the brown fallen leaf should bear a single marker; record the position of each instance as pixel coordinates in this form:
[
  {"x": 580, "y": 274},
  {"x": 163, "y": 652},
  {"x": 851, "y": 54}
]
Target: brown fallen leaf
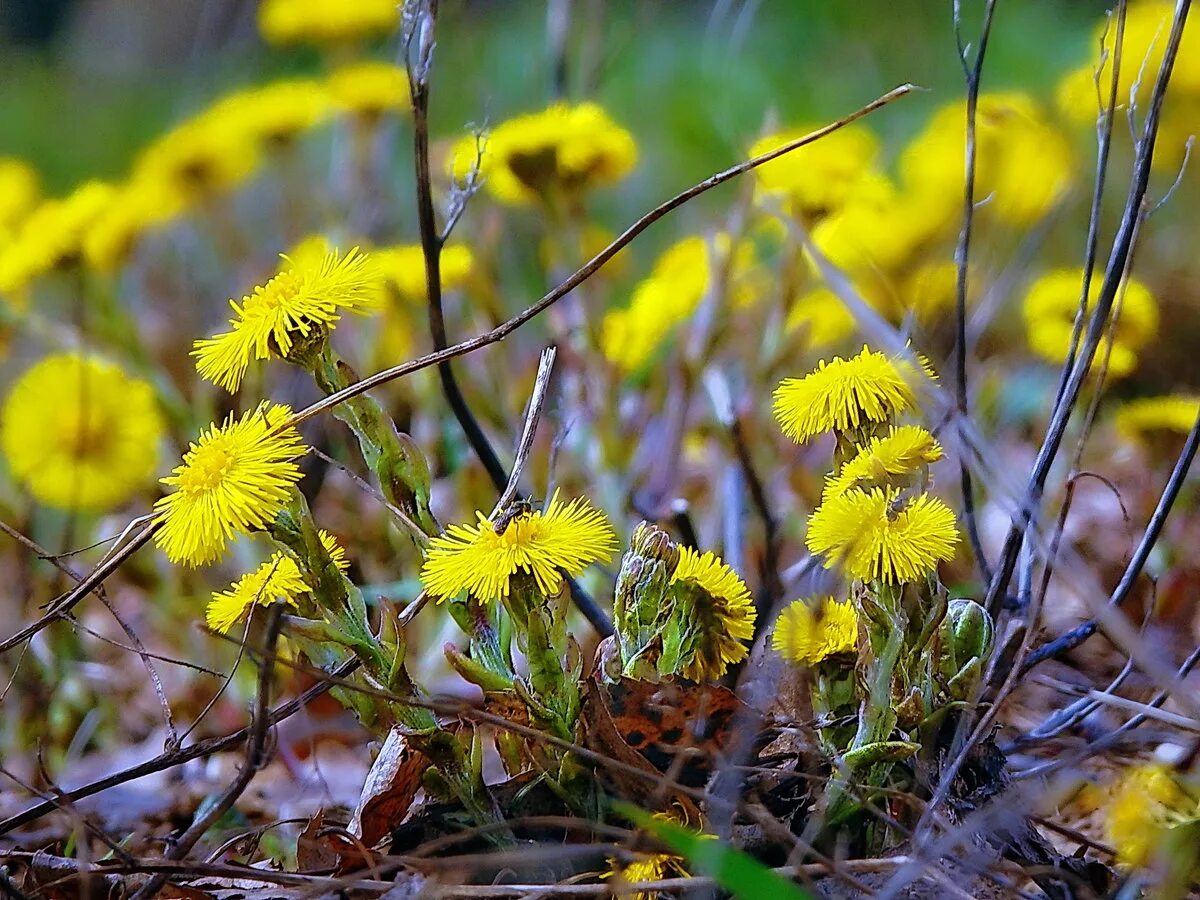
[{"x": 389, "y": 790}]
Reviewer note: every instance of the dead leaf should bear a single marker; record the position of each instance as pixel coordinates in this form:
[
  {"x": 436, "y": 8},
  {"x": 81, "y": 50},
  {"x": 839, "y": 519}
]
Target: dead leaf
[{"x": 389, "y": 789}]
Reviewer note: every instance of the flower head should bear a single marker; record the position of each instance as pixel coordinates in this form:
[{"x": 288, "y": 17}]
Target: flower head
[
  {"x": 822, "y": 317},
  {"x": 820, "y": 177},
  {"x": 564, "y": 149},
  {"x": 269, "y": 115},
  {"x": 1053, "y": 300},
  {"x": 1176, "y": 412},
  {"x": 52, "y": 235},
  {"x": 871, "y": 538},
  {"x": 807, "y": 635},
  {"x": 403, "y": 268},
  {"x": 481, "y": 560},
  {"x": 1146, "y": 803},
  {"x": 722, "y": 617},
  {"x": 843, "y": 394},
  {"x": 302, "y": 298},
  {"x": 80, "y": 433},
  {"x": 648, "y": 867},
  {"x": 369, "y": 89},
  {"x": 325, "y": 21},
  {"x": 233, "y": 480},
  {"x": 137, "y": 207},
  {"x": 19, "y": 191},
  {"x": 904, "y": 450},
  {"x": 278, "y": 578}
]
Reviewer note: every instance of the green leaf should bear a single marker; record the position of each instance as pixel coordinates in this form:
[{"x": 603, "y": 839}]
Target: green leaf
[{"x": 737, "y": 872}]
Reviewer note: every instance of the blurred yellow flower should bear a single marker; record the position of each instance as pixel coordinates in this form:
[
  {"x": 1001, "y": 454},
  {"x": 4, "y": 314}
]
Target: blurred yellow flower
[
  {"x": 278, "y": 578},
  {"x": 233, "y": 480},
  {"x": 136, "y": 207},
  {"x": 1145, "y": 803},
  {"x": 647, "y": 867},
  {"x": 1176, "y": 412},
  {"x": 298, "y": 302},
  {"x": 930, "y": 290},
  {"x": 52, "y": 235},
  {"x": 198, "y": 158},
  {"x": 1049, "y": 310},
  {"x": 724, "y": 615},
  {"x": 902, "y": 451},
  {"x": 671, "y": 293},
  {"x": 561, "y": 151},
  {"x": 819, "y": 177},
  {"x": 874, "y": 538},
  {"x": 808, "y": 633},
  {"x": 481, "y": 560},
  {"x": 20, "y": 188},
  {"x": 842, "y": 395},
  {"x": 369, "y": 89},
  {"x": 403, "y": 268},
  {"x": 268, "y": 115},
  {"x": 822, "y": 317},
  {"x": 325, "y": 21},
  {"x": 1023, "y": 164},
  {"x": 80, "y": 433}
]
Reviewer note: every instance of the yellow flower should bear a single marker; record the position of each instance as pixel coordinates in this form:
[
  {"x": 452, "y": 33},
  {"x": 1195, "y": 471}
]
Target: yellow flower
[
  {"x": 1175, "y": 412},
  {"x": 903, "y": 451},
  {"x": 1145, "y": 803},
  {"x": 198, "y": 158},
  {"x": 724, "y": 614},
  {"x": 1023, "y": 167},
  {"x": 822, "y": 317},
  {"x": 369, "y": 89},
  {"x": 807, "y": 635},
  {"x": 561, "y": 150},
  {"x": 19, "y": 190},
  {"x": 52, "y": 235},
  {"x": 819, "y": 177},
  {"x": 271, "y": 114},
  {"x": 930, "y": 291},
  {"x": 301, "y": 299},
  {"x": 325, "y": 21},
  {"x": 477, "y": 559},
  {"x": 233, "y": 480},
  {"x": 871, "y": 539},
  {"x": 1049, "y": 310},
  {"x": 842, "y": 394},
  {"x": 403, "y": 267},
  {"x": 136, "y": 208},
  {"x": 671, "y": 293},
  {"x": 80, "y": 433},
  {"x": 278, "y": 578}
]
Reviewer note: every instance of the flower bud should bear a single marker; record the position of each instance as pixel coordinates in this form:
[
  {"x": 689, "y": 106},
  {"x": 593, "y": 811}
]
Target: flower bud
[{"x": 642, "y": 599}]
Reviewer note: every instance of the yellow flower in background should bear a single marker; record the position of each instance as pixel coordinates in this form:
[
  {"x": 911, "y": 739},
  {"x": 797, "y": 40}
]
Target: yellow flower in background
[
  {"x": 198, "y": 158},
  {"x": 478, "y": 559},
  {"x": 233, "y": 480},
  {"x": 52, "y": 235},
  {"x": 369, "y": 89},
  {"x": 1175, "y": 412},
  {"x": 903, "y": 451},
  {"x": 20, "y": 188},
  {"x": 1144, "y": 805},
  {"x": 930, "y": 291},
  {"x": 808, "y": 633},
  {"x": 822, "y": 317},
  {"x": 136, "y": 208},
  {"x": 278, "y": 578},
  {"x": 80, "y": 433},
  {"x": 1024, "y": 165},
  {"x": 671, "y": 293},
  {"x": 1049, "y": 310},
  {"x": 649, "y": 866},
  {"x": 403, "y": 268},
  {"x": 269, "y": 115},
  {"x": 326, "y": 21},
  {"x": 563, "y": 150},
  {"x": 873, "y": 537},
  {"x": 842, "y": 395},
  {"x": 300, "y": 300},
  {"x": 724, "y": 614},
  {"x": 819, "y": 177}
]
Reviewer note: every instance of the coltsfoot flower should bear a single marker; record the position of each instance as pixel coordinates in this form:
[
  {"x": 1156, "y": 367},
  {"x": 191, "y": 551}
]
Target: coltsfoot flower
[
  {"x": 232, "y": 481},
  {"x": 722, "y": 618},
  {"x": 80, "y": 433},
  {"x": 482, "y": 560},
  {"x": 1176, "y": 413},
  {"x": 278, "y": 578},
  {"x": 843, "y": 394},
  {"x": 1146, "y": 803},
  {"x": 369, "y": 89},
  {"x": 808, "y": 633},
  {"x": 303, "y": 297},
  {"x": 904, "y": 450},
  {"x": 872, "y": 537},
  {"x": 325, "y": 21}
]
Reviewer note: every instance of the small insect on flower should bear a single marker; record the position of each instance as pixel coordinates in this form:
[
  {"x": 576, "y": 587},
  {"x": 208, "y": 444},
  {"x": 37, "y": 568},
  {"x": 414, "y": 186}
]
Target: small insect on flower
[
  {"x": 305, "y": 296},
  {"x": 903, "y": 451},
  {"x": 233, "y": 480},
  {"x": 80, "y": 433},
  {"x": 843, "y": 394},
  {"x": 722, "y": 617},
  {"x": 809, "y": 633},
  {"x": 481, "y": 559},
  {"x": 278, "y": 578},
  {"x": 873, "y": 536}
]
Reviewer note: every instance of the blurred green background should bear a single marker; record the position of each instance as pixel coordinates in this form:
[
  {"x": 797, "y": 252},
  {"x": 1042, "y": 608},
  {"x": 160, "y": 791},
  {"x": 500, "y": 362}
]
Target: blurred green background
[{"x": 84, "y": 83}]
